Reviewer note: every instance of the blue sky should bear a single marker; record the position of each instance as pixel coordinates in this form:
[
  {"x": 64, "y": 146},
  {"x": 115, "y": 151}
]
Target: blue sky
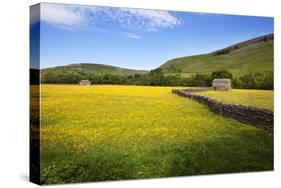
[{"x": 137, "y": 38}]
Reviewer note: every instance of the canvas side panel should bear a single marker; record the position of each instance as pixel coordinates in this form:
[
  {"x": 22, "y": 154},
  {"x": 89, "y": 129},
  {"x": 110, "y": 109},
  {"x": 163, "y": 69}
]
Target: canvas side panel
[{"x": 34, "y": 164}]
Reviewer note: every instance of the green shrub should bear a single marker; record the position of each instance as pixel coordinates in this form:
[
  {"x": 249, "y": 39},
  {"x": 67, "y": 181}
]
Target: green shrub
[
  {"x": 223, "y": 51},
  {"x": 255, "y": 80}
]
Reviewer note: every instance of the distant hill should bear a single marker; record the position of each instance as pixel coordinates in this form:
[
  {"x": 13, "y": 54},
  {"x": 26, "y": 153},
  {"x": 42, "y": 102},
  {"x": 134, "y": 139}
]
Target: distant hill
[
  {"x": 97, "y": 69},
  {"x": 97, "y": 73},
  {"x": 251, "y": 55}
]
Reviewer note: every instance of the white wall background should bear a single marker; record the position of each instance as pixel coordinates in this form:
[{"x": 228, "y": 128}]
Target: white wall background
[{"x": 14, "y": 70}]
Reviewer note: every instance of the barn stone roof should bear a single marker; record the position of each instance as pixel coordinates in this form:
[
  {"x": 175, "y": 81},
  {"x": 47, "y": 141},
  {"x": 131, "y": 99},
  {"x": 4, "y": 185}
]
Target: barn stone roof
[
  {"x": 226, "y": 81},
  {"x": 84, "y": 81}
]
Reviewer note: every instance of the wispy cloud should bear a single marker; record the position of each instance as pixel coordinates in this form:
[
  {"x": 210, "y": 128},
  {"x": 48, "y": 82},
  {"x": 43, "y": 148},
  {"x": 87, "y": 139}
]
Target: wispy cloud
[
  {"x": 64, "y": 16},
  {"x": 145, "y": 20},
  {"x": 131, "y": 35},
  {"x": 73, "y": 17}
]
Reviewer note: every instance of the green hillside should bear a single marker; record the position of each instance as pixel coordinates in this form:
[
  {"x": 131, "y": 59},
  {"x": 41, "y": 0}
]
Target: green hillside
[
  {"x": 97, "y": 73},
  {"x": 97, "y": 69},
  {"x": 253, "y": 55}
]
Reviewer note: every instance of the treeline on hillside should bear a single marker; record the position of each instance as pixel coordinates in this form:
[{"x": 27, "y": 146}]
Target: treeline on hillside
[{"x": 156, "y": 77}]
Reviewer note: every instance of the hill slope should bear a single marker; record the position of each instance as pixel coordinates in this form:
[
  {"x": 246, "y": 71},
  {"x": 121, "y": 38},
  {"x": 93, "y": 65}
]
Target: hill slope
[
  {"x": 97, "y": 73},
  {"x": 97, "y": 69},
  {"x": 252, "y": 55}
]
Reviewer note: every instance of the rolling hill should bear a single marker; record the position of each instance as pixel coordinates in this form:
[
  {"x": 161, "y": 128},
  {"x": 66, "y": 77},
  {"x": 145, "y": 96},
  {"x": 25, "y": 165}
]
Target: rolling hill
[
  {"x": 97, "y": 73},
  {"x": 97, "y": 69},
  {"x": 252, "y": 55}
]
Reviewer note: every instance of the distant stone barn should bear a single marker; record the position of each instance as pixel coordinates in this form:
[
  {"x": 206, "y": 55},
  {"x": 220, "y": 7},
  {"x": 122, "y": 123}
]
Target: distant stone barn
[
  {"x": 221, "y": 84},
  {"x": 84, "y": 82}
]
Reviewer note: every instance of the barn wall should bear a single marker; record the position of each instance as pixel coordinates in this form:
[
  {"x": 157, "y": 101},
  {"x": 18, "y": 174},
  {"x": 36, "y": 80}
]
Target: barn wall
[{"x": 260, "y": 118}]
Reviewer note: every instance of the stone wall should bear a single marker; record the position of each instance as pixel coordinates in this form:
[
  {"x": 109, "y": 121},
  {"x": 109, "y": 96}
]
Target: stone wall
[
  {"x": 260, "y": 118},
  {"x": 197, "y": 89}
]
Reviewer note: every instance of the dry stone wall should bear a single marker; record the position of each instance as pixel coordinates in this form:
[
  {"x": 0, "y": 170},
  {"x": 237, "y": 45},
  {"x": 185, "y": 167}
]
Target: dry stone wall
[
  {"x": 197, "y": 89},
  {"x": 260, "y": 118}
]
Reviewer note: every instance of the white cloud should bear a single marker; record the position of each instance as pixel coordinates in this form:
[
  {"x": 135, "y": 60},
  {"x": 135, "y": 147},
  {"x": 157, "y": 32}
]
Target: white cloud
[
  {"x": 63, "y": 16},
  {"x": 131, "y": 35},
  {"x": 140, "y": 19},
  {"x": 149, "y": 20},
  {"x": 75, "y": 16}
]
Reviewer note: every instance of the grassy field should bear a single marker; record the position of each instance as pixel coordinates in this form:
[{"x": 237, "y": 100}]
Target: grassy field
[
  {"x": 95, "y": 133},
  {"x": 257, "y": 98}
]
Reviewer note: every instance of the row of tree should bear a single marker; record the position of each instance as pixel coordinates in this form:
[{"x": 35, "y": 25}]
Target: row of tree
[{"x": 156, "y": 77}]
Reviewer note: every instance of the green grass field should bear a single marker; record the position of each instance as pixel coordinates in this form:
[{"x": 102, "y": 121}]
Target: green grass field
[
  {"x": 256, "y": 98},
  {"x": 95, "y": 133}
]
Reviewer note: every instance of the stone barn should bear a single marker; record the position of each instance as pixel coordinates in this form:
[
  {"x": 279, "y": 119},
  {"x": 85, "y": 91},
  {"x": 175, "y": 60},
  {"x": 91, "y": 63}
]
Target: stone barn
[
  {"x": 84, "y": 82},
  {"x": 221, "y": 84}
]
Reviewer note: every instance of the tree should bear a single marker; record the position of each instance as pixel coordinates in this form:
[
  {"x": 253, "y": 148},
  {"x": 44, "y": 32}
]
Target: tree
[
  {"x": 223, "y": 51},
  {"x": 221, "y": 74},
  {"x": 130, "y": 77},
  {"x": 156, "y": 77},
  {"x": 137, "y": 76},
  {"x": 201, "y": 80},
  {"x": 173, "y": 80},
  {"x": 174, "y": 69},
  {"x": 256, "y": 80},
  {"x": 157, "y": 71}
]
